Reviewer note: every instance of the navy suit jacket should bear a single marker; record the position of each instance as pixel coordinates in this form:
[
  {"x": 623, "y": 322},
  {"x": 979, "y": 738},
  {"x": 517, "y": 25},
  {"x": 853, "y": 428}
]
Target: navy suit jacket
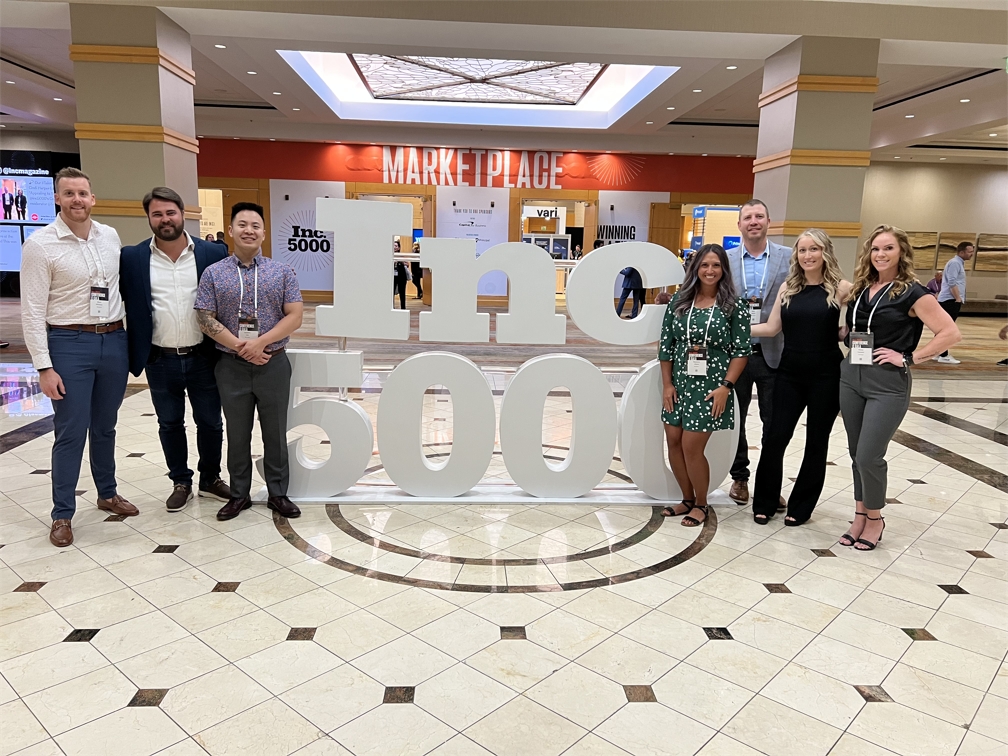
[{"x": 135, "y": 287}]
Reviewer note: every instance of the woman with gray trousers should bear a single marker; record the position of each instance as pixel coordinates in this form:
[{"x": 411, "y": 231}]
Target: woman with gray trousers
[{"x": 886, "y": 314}]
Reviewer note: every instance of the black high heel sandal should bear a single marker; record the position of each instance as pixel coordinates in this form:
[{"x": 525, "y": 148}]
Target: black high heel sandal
[
  {"x": 692, "y": 522},
  {"x": 670, "y": 511},
  {"x": 868, "y": 545},
  {"x": 761, "y": 519},
  {"x": 794, "y": 522},
  {"x": 851, "y": 540}
]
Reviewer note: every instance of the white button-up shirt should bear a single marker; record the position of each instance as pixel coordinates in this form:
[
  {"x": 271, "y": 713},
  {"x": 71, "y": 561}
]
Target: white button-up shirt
[
  {"x": 57, "y": 272},
  {"x": 173, "y": 292}
]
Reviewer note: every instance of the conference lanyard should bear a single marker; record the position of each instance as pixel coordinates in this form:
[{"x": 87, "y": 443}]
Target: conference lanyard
[
  {"x": 756, "y": 302},
  {"x": 696, "y": 356},
  {"x": 99, "y": 302},
  {"x": 248, "y": 327},
  {"x": 862, "y": 343}
]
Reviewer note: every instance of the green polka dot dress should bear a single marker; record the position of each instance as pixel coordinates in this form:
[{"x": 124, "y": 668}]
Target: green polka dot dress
[{"x": 727, "y": 338}]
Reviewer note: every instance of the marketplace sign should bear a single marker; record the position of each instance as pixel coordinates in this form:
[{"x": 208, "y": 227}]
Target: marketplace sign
[{"x": 362, "y": 233}]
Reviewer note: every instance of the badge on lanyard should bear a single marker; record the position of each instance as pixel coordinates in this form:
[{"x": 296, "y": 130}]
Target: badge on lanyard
[
  {"x": 99, "y": 301},
  {"x": 248, "y": 327},
  {"x": 696, "y": 360},
  {"x": 862, "y": 343},
  {"x": 755, "y": 309}
]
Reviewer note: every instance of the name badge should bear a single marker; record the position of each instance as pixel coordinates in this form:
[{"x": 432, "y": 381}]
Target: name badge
[
  {"x": 248, "y": 328},
  {"x": 696, "y": 361},
  {"x": 861, "y": 347},
  {"x": 100, "y": 302},
  {"x": 755, "y": 308}
]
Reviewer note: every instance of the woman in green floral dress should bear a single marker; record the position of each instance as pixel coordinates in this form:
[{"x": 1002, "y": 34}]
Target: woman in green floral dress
[{"x": 703, "y": 349}]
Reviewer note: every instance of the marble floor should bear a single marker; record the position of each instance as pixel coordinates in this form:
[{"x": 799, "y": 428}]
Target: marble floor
[{"x": 509, "y": 628}]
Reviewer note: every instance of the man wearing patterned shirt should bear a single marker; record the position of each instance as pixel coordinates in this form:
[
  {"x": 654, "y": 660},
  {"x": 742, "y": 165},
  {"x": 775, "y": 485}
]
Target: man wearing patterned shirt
[
  {"x": 250, "y": 305},
  {"x": 72, "y": 316}
]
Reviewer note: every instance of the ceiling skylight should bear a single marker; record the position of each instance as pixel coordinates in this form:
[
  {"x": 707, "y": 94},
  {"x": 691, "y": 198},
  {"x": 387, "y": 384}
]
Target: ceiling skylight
[
  {"x": 407, "y": 77},
  {"x": 475, "y": 91}
]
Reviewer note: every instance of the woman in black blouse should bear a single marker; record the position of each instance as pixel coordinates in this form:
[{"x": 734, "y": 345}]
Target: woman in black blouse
[
  {"x": 888, "y": 311},
  {"x": 807, "y": 309}
]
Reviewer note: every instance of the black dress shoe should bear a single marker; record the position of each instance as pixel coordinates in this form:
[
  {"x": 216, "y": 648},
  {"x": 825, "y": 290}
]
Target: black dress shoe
[
  {"x": 234, "y": 507},
  {"x": 284, "y": 506}
]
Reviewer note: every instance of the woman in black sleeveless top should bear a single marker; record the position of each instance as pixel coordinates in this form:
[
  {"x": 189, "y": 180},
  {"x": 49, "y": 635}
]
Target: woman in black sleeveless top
[{"x": 808, "y": 310}]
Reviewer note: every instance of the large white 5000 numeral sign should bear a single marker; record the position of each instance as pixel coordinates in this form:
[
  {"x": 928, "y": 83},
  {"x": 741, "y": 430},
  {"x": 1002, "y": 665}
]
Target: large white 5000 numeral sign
[{"x": 362, "y": 266}]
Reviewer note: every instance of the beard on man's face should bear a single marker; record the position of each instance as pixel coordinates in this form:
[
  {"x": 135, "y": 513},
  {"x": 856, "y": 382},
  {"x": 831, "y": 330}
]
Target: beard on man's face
[{"x": 168, "y": 230}]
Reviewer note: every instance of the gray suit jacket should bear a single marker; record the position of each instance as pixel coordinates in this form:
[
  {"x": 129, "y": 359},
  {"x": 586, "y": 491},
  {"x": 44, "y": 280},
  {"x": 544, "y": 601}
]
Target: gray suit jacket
[{"x": 779, "y": 262}]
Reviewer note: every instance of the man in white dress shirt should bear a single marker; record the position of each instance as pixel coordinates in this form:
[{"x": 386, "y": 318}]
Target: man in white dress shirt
[
  {"x": 72, "y": 316},
  {"x": 158, "y": 280}
]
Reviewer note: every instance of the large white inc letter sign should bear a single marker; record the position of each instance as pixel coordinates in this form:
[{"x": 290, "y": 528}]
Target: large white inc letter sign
[{"x": 362, "y": 308}]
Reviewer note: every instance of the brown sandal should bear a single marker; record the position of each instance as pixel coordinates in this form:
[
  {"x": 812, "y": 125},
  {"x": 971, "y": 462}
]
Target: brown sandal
[{"x": 692, "y": 522}]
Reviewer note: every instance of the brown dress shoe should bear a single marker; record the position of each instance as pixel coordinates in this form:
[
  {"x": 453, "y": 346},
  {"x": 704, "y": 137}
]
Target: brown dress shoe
[
  {"x": 739, "y": 492},
  {"x": 284, "y": 506},
  {"x": 118, "y": 505},
  {"x": 234, "y": 507},
  {"x": 180, "y": 496},
  {"x": 61, "y": 535}
]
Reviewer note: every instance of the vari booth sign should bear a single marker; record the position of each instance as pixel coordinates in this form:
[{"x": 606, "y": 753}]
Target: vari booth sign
[{"x": 361, "y": 232}]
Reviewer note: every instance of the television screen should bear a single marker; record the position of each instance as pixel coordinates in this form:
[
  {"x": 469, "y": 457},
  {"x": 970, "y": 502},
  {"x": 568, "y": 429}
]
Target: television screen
[{"x": 27, "y": 199}]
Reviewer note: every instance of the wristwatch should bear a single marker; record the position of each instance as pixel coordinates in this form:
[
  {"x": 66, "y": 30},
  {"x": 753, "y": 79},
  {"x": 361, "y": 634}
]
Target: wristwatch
[
  {"x": 727, "y": 384},
  {"x": 908, "y": 359}
]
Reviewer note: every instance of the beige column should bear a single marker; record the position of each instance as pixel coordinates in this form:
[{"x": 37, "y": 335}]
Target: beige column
[
  {"x": 814, "y": 132},
  {"x": 135, "y": 120}
]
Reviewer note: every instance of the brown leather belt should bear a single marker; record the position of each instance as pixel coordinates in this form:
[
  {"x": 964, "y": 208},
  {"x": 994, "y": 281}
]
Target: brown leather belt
[{"x": 91, "y": 328}]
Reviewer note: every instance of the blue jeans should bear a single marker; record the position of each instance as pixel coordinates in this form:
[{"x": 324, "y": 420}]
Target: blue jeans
[
  {"x": 170, "y": 378},
  {"x": 94, "y": 367},
  {"x": 638, "y": 300}
]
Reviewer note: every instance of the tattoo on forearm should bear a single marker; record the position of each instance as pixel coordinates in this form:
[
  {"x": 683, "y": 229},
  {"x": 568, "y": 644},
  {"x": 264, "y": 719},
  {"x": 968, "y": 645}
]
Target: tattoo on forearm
[{"x": 208, "y": 323}]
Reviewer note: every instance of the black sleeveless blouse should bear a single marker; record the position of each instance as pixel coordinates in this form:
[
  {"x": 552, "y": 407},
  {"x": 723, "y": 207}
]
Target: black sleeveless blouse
[{"x": 810, "y": 326}]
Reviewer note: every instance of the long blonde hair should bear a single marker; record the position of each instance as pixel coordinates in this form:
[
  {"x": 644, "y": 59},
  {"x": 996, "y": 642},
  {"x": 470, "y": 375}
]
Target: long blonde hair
[
  {"x": 832, "y": 275},
  {"x": 865, "y": 274}
]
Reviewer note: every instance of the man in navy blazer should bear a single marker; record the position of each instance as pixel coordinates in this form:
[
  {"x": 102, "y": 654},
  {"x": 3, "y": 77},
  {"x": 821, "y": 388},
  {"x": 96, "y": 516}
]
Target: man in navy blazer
[
  {"x": 158, "y": 280},
  {"x": 758, "y": 268}
]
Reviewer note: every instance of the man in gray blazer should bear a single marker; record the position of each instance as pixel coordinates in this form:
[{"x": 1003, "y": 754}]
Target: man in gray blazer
[{"x": 758, "y": 268}]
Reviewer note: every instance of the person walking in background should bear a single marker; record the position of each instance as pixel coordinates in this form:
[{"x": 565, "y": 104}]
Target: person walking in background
[
  {"x": 400, "y": 276},
  {"x": 884, "y": 324},
  {"x": 632, "y": 284},
  {"x": 8, "y": 204},
  {"x": 807, "y": 310},
  {"x": 250, "y": 305},
  {"x": 417, "y": 271},
  {"x": 934, "y": 285},
  {"x": 703, "y": 349},
  {"x": 158, "y": 281},
  {"x": 953, "y": 289},
  {"x": 210, "y": 238},
  {"x": 758, "y": 269},
  {"x": 72, "y": 316}
]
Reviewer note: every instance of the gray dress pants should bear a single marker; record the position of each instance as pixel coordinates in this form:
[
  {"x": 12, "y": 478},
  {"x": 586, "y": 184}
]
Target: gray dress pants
[
  {"x": 873, "y": 401},
  {"x": 244, "y": 390}
]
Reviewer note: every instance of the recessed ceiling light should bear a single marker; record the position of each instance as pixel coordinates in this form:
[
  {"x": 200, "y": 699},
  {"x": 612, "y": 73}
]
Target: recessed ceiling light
[
  {"x": 234, "y": 137},
  {"x": 965, "y": 99},
  {"x": 608, "y": 152},
  {"x": 909, "y": 116},
  {"x": 941, "y": 158},
  {"x": 671, "y": 153},
  {"x": 3, "y": 126},
  {"x": 994, "y": 134},
  {"x": 339, "y": 142},
  {"x": 896, "y": 158},
  {"x": 278, "y": 93},
  {"x": 251, "y": 73},
  {"x": 698, "y": 90},
  {"x": 199, "y": 136},
  {"x": 221, "y": 47},
  {"x": 9, "y": 82},
  {"x": 669, "y": 108},
  {"x": 296, "y": 108},
  {"x": 738, "y": 156},
  {"x": 272, "y": 139},
  {"x": 704, "y": 155},
  {"x": 60, "y": 99},
  {"x": 649, "y": 123},
  {"x": 731, "y": 68}
]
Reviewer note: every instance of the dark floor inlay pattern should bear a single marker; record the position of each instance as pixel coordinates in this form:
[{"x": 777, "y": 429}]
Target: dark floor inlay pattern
[
  {"x": 301, "y": 634},
  {"x": 148, "y": 697},
  {"x": 954, "y": 590},
  {"x": 917, "y": 481},
  {"x": 40, "y": 472},
  {"x": 399, "y": 694},
  {"x": 114, "y": 518},
  {"x": 975, "y": 470},
  {"x": 823, "y": 553},
  {"x": 29, "y": 587},
  {"x": 326, "y": 441},
  {"x": 639, "y": 694},
  {"x": 1000, "y": 525},
  {"x": 80, "y": 492},
  {"x": 168, "y": 549},
  {"x": 81, "y": 636},
  {"x": 979, "y": 553},
  {"x": 512, "y": 632},
  {"x": 894, "y": 501},
  {"x": 718, "y": 633},
  {"x": 24, "y": 434},
  {"x": 918, "y": 634},
  {"x": 136, "y": 454},
  {"x": 225, "y": 588},
  {"x": 873, "y": 693},
  {"x": 776, "y": 587},
  {"x": 147, "y": 414}
]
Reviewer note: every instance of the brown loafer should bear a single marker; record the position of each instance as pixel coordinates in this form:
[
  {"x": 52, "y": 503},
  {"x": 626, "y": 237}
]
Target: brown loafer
[
  {"x": 284, "y": 506},
  {"x": 234, "y": 507},
  {"x": 739, "y": 492},
  {"x": 118, "y": 505},
  {"x": 61, "y": 535}
]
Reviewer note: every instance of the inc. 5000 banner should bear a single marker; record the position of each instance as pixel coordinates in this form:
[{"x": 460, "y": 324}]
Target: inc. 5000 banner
[{"x": 296, "y": 241}]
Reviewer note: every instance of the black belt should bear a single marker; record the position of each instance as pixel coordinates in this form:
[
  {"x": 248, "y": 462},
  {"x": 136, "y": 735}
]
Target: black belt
[{"x": 180, "y": 351}]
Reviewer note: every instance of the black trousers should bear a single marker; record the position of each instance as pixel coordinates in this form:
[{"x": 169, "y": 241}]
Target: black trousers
[
  {"x": 794, "y": 393},
  {"x": 399, "y": 287},
  {"x": 757, "y": 373},
  {"x": 417, "y": 272},
  {"x": 952, "y": 308}
]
